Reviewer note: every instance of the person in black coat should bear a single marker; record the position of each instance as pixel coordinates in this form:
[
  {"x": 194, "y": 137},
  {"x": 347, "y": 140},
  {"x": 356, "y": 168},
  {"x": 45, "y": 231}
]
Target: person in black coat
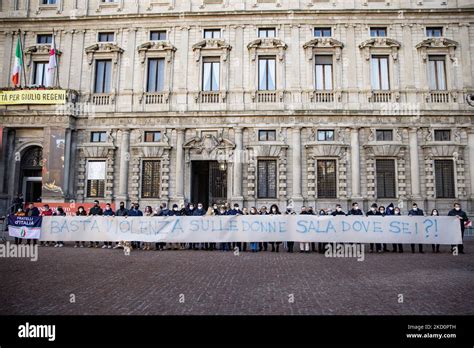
[
  {"x": 263, "y": 245},
  {"x": 236, "y": 211},
  {"x": 373, "y": 212},
  {"x": 397, "y": 247},
  {"x": 355, "y": 210},
  {"x": 415, "y": 211},
  {"x": 462, "y": 216},
  {"x": 435, "y": 247},
  {"x": 383, "y": 212},
  {"x": 80, "y": 212},
  {"x": 275, "y": 211}
]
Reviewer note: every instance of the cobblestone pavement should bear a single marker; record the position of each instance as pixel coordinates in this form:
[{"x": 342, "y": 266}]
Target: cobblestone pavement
[{"x": 205, "y": 282}]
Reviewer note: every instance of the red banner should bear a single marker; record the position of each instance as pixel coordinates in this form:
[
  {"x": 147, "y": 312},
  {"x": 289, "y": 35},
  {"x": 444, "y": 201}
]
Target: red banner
[{"x": 69, "y": 208}]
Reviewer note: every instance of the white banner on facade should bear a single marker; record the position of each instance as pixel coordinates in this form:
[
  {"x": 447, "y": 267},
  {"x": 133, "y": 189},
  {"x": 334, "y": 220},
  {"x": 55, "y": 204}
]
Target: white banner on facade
[{"x": 248, "y": 228}]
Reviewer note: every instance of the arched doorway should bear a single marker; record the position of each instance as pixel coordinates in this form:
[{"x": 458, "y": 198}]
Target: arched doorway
[{"x": 31, "y": 174}]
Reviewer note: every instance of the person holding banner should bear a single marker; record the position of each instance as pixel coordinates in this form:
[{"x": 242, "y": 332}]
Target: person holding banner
[
  {"x": 383, "y": 212},
  {"x": 253, "y": 245},
  {"x": 162, "y": 211},
  {"x": 135, "y": 211},
  {"x": 462, "y": 216},
  {"x": 236, "y": 211},
  {"x": 275, "y": 211},
  {"x": 304, "y": 246},
  {"x": 19, "y": 212},
  {"x": 397, "y": 247},
  {"x": 263, "y": 245},
  {"x": 210, "y": 246},
  {"x": 108, "y": 212},
  {"x": 46, "y": 212},
  {"x": 80, "y": 212},
  {"x": 435, "y": 247},
  {"x": 59, "y": 212},
  {"x": 198, "y": 212},
  {"x": 373, "y": 212},
  {"x": 175, "y": 211},
  {"x": 415, "y": 211},
  {"x": 95, "y": 210},
  {"x": 355, "y": 210},
  {"x": 148, "y": 212}
]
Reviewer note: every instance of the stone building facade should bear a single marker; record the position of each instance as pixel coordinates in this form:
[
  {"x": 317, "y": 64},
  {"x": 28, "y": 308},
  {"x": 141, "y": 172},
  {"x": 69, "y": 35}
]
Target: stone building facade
[{"x": 303, "y": 102}]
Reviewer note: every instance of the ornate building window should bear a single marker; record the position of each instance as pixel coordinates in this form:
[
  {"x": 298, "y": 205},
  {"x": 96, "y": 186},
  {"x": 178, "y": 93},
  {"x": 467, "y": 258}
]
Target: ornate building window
[
  {"x": 267, "y": 135},
  {"x": 212, "y": 57},
  {"x": 444, "y": 178},
  {"x": 438, "y": 78},
  {"x": 442, "y": 135},
  {"x": 267, "y": 178},
  {"x": 152, "y": 136},
  {"x": 324, "y": 81},
  {"x": 39, "y": 73},
  {"x": 381, "y": 73},
  {"x": 267, "y": 63},
  {"x": 266, "y": 32},
  {"x": 44, "y": 39},
  {"x": 158, "y": 35},
  {"x": 385, "y": 172},
  {"x": 326, "y": 178},
  {"x": 156, "y": 73},
  {"x": 434, "y": 31},
  {"x": 151, "y": 178},
  {"x": 384, "y": 135},
  {"x": 104, "y": 71},
  {"x": 96, "y": 178}
]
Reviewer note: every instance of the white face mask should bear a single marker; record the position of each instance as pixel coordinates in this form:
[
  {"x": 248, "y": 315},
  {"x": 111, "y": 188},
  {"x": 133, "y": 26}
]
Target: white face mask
[
  {"x": 415, "y": 209},
  {"x": 435, "y": 213},
  {"x": 274, "y": 210},
  {"x": 175, "y": 209},
  {"x": 356, "y": 207},
  {"x": 338, "y": 209},
  {"x": 81, "y": 210},
  {"x": 373, "y": 209},
  {"x": 457, "y": 208}
]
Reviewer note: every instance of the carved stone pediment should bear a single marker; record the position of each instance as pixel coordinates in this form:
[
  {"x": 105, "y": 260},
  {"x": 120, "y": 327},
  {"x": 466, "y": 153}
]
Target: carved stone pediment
[
  {"x": 326, "y": 150},
  {"x": 39, "y": 51},
  {"x": 385, "y": 150},
  {"x": 103, "y": 49},
  {"x": 212, "y": 44},
  {"x": 267, "y": 44},
  {"x": 151, "y": 150},
  {"x": 93, "y": 150},
  {"x": 445, "y": 150},
  {"x": 437, "y": 43},
  {"x": 324, "y": 43},
  {"x": 156, "y": 47},
  {"x": 268, "y": 150},
  {"x": 380, "y": 43},
  {"x": 208, "y": 144}
]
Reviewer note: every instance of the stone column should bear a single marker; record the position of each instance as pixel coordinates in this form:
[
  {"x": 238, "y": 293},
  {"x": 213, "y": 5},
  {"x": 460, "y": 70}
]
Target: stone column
[
  {"x": 124, "y": 165},
  {"x": 414, "y": 164},
  {"x": 67, "y": 162},
  {"x": 15, "y": 161},
  {"x": 179, "y": 164},
  {"x": 237, "y": 172},
  {"x": 471, "y": 161},
  {"x": 296, "y": 152},
  {"x": 355, "y": 163}
]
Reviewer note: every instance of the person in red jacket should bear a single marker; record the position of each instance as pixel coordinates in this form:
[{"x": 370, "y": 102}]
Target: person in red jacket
[{"x": 46, "y": 211}]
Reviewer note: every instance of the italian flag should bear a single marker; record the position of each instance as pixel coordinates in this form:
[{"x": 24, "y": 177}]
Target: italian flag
[{"x": 18, "y": 63}]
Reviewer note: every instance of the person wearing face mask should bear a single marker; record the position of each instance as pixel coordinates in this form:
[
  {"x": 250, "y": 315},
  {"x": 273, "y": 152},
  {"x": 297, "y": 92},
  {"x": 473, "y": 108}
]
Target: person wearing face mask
[
  {"x": 80, "y": 212},
  {"x": 373, "y": 212},
  {"x": 224, "y": 246},
  {"x": 122, "y": 211},
  {"x": 462, "y": 216},
  {"x": 96, "y": 210},
  {"x": 355, "y": 209},
  {"x": 236, "y": 211},
  {"x": 275, "y": 211},
  {"x": 263, "y": 245},
  {"x": 108, "y": 212},
  {"x": 175, "y": 211},
  {"x": 215, "y": 207},
  {"x": 19, "y": 212},
  {"x": 383, "y": 212},
  {"x": 135, "y": 211},
  {"x": 397, "y": 247},
  {"x": 304, "y": 246},
  {"x": 415, "y": 211},
  {"x": 210, "y": 246},
  {"x": 198, "y": 212},
  {"x": 435, "y": 247},
  {"x": 148, "y": 212},
  {"x": 322, "y": 246},
  {"x": 253, "y": 245},
  {"x": 162, "y": 211}
]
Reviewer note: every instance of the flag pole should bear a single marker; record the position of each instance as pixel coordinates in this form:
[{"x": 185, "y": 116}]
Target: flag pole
[
  {"x": 56, "y": 60},
  {"x": 22, "y": 58}
]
